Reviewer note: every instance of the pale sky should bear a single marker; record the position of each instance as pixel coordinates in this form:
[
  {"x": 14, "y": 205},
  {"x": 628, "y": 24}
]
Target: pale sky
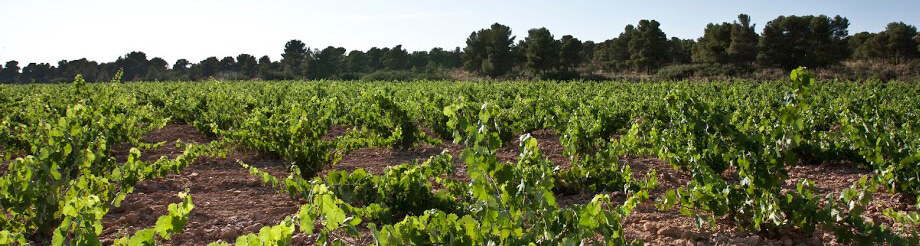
[{"x": 102, "y": 30}]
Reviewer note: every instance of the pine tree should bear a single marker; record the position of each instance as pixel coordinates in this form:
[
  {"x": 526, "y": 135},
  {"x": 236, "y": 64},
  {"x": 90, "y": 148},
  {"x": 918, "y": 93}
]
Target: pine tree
[
  {"x": 488, "y": 51},
  {"x": 714, "y": 46},
  {"x": 648, "y": 49},
  {"x": 742, "y": 49},
  {"x": 295, "y": 59},
  {"x": 542, "y": 51},
  {"x": 901, "y": 42},
  {"x": 570, "y": 52}
]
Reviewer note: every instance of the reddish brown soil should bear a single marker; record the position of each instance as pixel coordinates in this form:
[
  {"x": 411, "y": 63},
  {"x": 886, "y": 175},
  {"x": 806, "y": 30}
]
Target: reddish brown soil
[
  {"x": 170, "y": 134},
  {"x": 655, "y": 227},
  {"x": 336, "y": 131},
  {"x": 375, "y": 160},
  {"x": 549, "y": 144},
  {"x": 832, "y": 179},
  {"x": 230, "y": 202}
]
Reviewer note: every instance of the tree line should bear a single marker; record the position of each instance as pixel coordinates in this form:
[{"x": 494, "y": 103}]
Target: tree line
[{"x": 785, "y": 42}]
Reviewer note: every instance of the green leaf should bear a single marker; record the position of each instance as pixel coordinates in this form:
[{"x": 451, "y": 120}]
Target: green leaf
[
  {"x": 164, "y": 226},
  {"x": 69, "y": 211},
  {"x": 334, "y": 215},
  {"x": 306, "y": 219},
  {"x": 143, "y": 237}
]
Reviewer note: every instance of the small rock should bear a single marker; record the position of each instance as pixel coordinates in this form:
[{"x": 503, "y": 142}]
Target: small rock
[
  {"x": 148, "y": 212},
  {"x": 702, "y": 235},
  {"x": 814, "y": 240},
  {"x": 649, "y": 227},
  {"x": 128, "y": 206},
  {"x": 751, "y": 240},
  {"x": 694, "y": 236},
  {"x": 130, "y": 218},
  {"x": 787, "y": 241},
  {"x": 667, "y": 231},
  {"x": 252, "y": 228},
  {"x": 666, "y": 176},
  {"x": 210, "y": 232},
  {"x": 230, "y": 233}
]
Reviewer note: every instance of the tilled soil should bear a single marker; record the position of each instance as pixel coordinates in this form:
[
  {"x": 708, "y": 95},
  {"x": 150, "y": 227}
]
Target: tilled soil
[
  {"x": 831, "y": 179},
  {"x": 656, "y": 227},
  {"x": 549, "y": 144},
  {"x": 231, "y": 202},
  {"x": 375, "y": 160}
]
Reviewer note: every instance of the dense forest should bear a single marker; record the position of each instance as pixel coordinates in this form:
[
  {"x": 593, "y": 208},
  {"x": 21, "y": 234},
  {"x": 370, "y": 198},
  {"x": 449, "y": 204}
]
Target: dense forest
[{"x": 495, "y": 52}]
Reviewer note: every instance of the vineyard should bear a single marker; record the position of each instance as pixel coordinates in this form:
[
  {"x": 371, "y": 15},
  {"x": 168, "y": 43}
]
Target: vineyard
[{"x": 794, "y": 161}]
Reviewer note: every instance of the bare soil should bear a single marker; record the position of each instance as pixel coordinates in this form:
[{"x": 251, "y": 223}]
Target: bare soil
[
  {"x": 656, "y": 227},
  {"x": 230, "y": 202},
  {"x": 549, "y": 144},
  {"x": 375, "y": 160}
]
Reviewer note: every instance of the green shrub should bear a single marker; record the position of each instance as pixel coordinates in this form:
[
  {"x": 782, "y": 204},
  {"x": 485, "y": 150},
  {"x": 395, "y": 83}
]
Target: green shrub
[
  {"x": 402, "y": 75},
  {"x": 685, "y": 71}
]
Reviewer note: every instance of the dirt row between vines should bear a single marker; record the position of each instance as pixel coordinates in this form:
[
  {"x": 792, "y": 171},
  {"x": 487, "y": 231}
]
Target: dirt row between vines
[{"x": 230, "y": 202}]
